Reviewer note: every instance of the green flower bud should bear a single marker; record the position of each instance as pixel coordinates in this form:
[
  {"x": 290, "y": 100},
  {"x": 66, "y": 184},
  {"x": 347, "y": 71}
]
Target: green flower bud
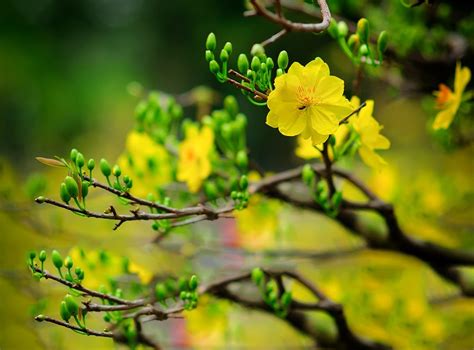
[
  {"x": 257, "y": 50},
  {"x": 73, "y": 154},
  {"x": 107, "y": 318},
  {"x": 224, "y": 56},
  {"x": 257, "y": 276},
  {"x": 263, "y": 67},
  {"x": 241, "y": 121},
  {"x": 85, "y": 188},
  {"x": 332, "y": 140},
  {"x": 127, "y": 179},
  {"x": 64, "y": 312},
  {"x": 363, "y": 30},
  {"x": 210, "y": 190},
  {"x": 80, "y": 160},
  {"x": 242, "y": 63},
  {"x": 286, "y": 299},
  {"x": 40, "y": 318},
  {"x": 231, "y": 105},
  {"x": 244, "y": 182},
  {"x": 307, "y": 174},
  {"x": 42, "y": 256},
  {"x": 79, "y": 273},
  {"x": 283, "y": 60},
  {"x": 71, "y": 186},
  {"x": 353, "y": 41},
  {"x": 337, "y": 199},
  {"x": 160, "y": 291},
  {"x": 214, "y": 67},
  {"x": 40, "y": 199},
  {"x": 228, "y": 47},
  {"x": 226, "y": 131},
  {"x": 32, "y": 255},
  {"x": 251, "y": 75},
  {"x": 183, "y": 295},
  {"x": 270, "y": 63},
  {"x": 255, "y": 64},
  {"x": 105, "y": 167},
  {"x": 279, "y": 72},
  {"x": 193, "y": 282},
  {"x": 57, "y": 259},
  {"x": 71, "y": 305},
  {"x": 333, "y": 29},
  {"x": 382, "y": 41},
  {"x": 182, "y": 284},
  {"x": 209, "y": 56},
  {"x": 211, "y": 42},
  {"x": 342, "y": 29},
  {"x": 116, "y": 170},
  {"x": 68, "y": 262},
  {"x": 241, "y": 160},
  {"x": 64, "y": 194},
  {"x": 91, "y": 164},
  {"x": 363, "y": 50}
]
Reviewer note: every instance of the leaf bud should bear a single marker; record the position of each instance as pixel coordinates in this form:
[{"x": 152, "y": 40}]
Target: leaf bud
[
  {"x": 231, "y": 105},
  {"x": 210, "y": 190},
  {"x": 209, "y": 56},
  {"x": 307, "y": 174},
  {"x": 228, "y": 47},
  {"x": 73, "y": 154},
  {"x": 68, "y": 262},
  {"x": 242, "y": 160},
  {"x": 224, "y": 56},
  {"x": 382, "y": 41},
  {"x": 80, "y": 160},
  {"x": 257, "y": 276},
  {"x": 244, "y": 182},
  {"x": 116, "y": 171},
  {"x": 42, "y": 256},
  {"x": 160, "y": 291},
  {"x": 64, "y": 312},
  {"x": 255, "y": 64},
  {"x": 40, "y": 199}
]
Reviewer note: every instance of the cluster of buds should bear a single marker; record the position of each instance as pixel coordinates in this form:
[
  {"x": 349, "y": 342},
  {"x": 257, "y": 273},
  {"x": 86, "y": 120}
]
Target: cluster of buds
[
  {"x": 278, "y": 300},
  {"x": 59, "y": 263},
  {"x": 358, "y": 46},
  {"x": 185, "y": 289}
]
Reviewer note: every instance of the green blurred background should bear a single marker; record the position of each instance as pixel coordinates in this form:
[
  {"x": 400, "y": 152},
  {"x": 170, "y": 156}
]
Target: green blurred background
[{"x": 64, "y": 71}]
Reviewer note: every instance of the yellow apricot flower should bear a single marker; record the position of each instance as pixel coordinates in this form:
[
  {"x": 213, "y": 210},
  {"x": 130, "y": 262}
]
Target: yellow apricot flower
[
  {"x": 194, "y": 163},
  {"x": 147, "y": 162},
  {"x": 369, "y": 131},
  {"x": 306, "y": 150},
  {"x": 308, "y": 101},
  {"x": 448, "y": 101}
]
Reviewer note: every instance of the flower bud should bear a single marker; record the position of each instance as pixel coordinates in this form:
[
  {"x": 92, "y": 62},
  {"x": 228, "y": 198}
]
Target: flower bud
[
  {"x": 224, "y": 56},
  {"x": 231, "y": 105},
  {"x": 182, "y": 284},
  {"x": 71, "y": 305},
  {"x": 116, "y": 170},
  {"x": 241, "y": 121},
  {"x": 91, "y": 164},
  {"x": 214, "y": 67},
  {"x": 80, "y": 160},
  {"x": 226, "y": 131},
  {"x": 307, "y": 174},
  {"x": 63, "y": 193},
  {"x": 64, "y": 312},
  {"x": 85, "y": 188},
  {"x": 286, "y": 299},
  {"x": 279, "y": 72},
  {"x": 193, "y": 282},
  {"x": 210, "y": 190},
  {"x": 57, "y": 259},
  {"x": 337, "y": 199},
  {"x": 68, "y": 262},
  {"x": 228, "y": 47},
  {"x": 363, "y": 50},
  {"x": 342, "y": 29},
  {"x": 382, "y": 41},
  {"x": 42, "y": 256},
  {"x": 255, "y": 64},
  {"x": 32, "y": 255},
  {"x": 160, "y": 291},
  {"x": 40, "y": 318},
  {"x": 270, "y": 64},
  {"x": 363, "y": 30},
  {"x": 79, "y": 273},
  {"x": 257, "y": 50},
  {"x": 242, "y": 160},
  {"x": 71, "y": 186},
  {"x": 353, "y": 41},
  {"x": 332, "y": 29},
  {"x": 211, "y": 42},
  {"x": 242, "y": 63},
  {"x": 73, "y": 154},
  {"x": 244, "y": 182},
  {"x": 209, "y": 56},
  {"x": 283, "y": 60},
  {"x": 257, "y": 276},
  {"x": 105, "y": 167}
]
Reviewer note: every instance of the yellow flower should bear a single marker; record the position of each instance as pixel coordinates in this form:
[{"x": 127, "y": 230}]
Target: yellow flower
[
  {"x": 308, "y": 101},
  {"x": 194, "y": 164},
  {"x": 448, "y": 101},
  {"x": 369, "y": 131},
  {"x": 306, "y": 150},
  {"x": 147, "y": 162}
]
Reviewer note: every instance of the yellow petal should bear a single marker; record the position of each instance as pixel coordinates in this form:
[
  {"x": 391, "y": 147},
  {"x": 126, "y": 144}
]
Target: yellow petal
[
  {"x": 272, "y": 119},
  {"x": 305, "y": 149},
  {"x": 381, "y": 142},
  {"x": 292, "y": 124},
  {"x": 444, "y": 118},
  {"x": 323, "y": 120},
  {"x": 461, "y": 78},
  {"x": 371, "y": 158},
  {"x": 329, "y": 89}
]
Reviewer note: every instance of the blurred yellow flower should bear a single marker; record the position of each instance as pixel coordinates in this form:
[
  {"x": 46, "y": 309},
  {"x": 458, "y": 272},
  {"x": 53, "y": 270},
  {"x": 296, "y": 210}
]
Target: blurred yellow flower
[
  {"x": 448, "y": 101},
  {"x": 306, "y": 150},
  {"x": 146, "y": 162},
  {"x": 308, "y": 101},
  {"x": 99, "y": 266},
  {"x": 369, "y": 131},
  {"x": 194, "y": 164}
]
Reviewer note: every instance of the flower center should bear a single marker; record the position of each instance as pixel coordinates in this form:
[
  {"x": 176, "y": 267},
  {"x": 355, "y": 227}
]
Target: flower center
[
  {"x": 190, "y": 155},
  {"x": 443, "y": 96},
  {"x": 306, "y": 97}
]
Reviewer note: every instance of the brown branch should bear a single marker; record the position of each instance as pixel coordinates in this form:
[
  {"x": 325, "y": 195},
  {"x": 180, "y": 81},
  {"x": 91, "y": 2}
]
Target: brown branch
[{"x": 41, "y": 318}]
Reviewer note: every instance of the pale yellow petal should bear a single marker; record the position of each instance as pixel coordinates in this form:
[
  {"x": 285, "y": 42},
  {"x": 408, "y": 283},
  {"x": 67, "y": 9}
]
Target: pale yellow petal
[
  {"x": 292, "y": 124},
  {"x": 323, "y": 121},
  {"x": 371, "y": 158},
  {"x": 272, "y": 119},
  {"x": 444, "y": 118},
  {"x": 329, "y": 89},
  {"x": 461, "y": 78}
]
